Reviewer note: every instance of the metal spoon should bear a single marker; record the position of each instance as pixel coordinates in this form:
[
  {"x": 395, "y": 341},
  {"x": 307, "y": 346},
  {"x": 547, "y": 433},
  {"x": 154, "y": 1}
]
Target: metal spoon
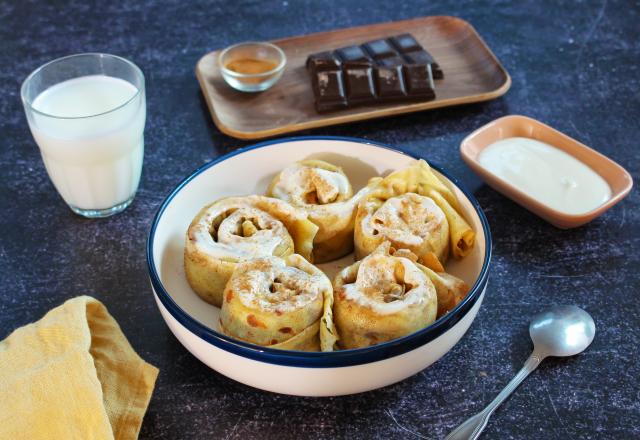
[{"x": 561, "y": 331}]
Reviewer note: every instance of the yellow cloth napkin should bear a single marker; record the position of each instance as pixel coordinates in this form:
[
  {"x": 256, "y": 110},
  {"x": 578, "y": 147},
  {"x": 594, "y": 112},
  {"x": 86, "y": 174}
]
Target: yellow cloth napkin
[{"x": 72, "y": 375}]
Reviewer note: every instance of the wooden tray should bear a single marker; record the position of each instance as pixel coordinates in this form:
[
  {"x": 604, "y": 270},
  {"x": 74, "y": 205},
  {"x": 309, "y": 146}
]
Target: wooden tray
[{"x": 472, "y": 74}]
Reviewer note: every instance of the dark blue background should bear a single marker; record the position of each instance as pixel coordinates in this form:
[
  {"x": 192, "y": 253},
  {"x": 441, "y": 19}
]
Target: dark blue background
[{"x": 575, "y": 66}]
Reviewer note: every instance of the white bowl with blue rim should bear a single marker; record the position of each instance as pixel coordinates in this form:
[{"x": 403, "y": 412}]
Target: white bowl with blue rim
[{"x": 195, "y": 323}]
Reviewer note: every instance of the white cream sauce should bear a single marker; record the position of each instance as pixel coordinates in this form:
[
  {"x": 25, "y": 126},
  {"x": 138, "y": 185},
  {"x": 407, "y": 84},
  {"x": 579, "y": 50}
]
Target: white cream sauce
[{"x": 547, "y": 174}]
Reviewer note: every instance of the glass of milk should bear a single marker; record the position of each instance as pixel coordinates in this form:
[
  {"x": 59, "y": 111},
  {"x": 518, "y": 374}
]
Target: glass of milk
[{"x": 87, "y": 114}]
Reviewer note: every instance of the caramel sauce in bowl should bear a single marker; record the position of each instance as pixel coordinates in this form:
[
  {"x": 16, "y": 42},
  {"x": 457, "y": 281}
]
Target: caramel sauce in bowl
[{"x": 252, "y": 67}]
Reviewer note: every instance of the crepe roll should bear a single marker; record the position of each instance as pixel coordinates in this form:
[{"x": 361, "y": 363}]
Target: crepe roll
[
  {"x": 408, "y": 221},
  {"x": 324, "y": 192},
  {"x": 236, "y": 229},
  {"x": 419, "y": 179},
  {"x": 279, "y": 303},
  {"x": 380, "y": 298}
]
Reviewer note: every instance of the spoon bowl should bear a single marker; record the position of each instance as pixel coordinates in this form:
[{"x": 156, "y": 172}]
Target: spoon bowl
[{"x": 562, "y": 331}]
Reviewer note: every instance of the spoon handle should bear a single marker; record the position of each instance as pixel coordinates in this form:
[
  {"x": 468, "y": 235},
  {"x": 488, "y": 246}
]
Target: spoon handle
[{"x": 473, "y": 426}]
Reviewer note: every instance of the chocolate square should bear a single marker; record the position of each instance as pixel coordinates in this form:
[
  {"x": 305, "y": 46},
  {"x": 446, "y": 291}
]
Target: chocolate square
[
  {"x": 389, "y": 82},
  {"x": 359, "y": 82},
  {"x": 419, "y": 80},
  {"x": 329, "y": 85},
  {"x": 405, "y": 43},
  {"x": 323, "y": 61},
  {"x": 379, "y": 49},
  {"x": 419, "y": 57},
  {"x": 424, "y": 57},
  {"x": 352, "y": 53},
  {"x": 391, "y": 62},
  {"x": 329, "y": 90}
]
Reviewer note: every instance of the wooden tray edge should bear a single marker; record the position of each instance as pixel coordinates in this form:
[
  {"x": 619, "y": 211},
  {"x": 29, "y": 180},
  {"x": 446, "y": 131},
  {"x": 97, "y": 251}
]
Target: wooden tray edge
[{"x": 375, "y": 114}]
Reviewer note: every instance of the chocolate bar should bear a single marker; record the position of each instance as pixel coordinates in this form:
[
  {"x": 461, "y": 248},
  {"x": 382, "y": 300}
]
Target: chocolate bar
[{"x": 392, "y": 69}]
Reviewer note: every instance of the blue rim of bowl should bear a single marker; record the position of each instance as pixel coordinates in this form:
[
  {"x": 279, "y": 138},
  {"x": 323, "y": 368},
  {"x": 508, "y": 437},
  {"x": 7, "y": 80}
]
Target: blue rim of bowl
[{"x": 340, "y": 358}]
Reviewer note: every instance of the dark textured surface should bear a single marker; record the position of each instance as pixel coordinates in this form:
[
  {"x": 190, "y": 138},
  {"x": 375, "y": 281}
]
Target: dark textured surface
[{"x": 574, "y": 66}]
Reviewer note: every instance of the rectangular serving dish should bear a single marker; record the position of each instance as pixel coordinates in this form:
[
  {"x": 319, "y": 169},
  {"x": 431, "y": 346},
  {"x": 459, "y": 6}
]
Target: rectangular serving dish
[
  {"x": 472, "y": 74},
  {"x": 618, "y": 179}
]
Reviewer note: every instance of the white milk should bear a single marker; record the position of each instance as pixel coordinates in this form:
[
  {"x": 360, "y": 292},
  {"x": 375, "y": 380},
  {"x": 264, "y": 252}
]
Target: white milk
[{"x": 91, "y": 141}]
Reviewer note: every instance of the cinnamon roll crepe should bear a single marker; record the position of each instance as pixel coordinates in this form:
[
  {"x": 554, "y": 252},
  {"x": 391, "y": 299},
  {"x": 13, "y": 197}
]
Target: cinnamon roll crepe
[
  {"x": 381, "y": 298},
  {"x": 237, "y": 229},
  {"x": 387, "y": 295},
  {"x": 413, "y": 209},
  {"x": 324, "y": 192},
  {"x": 279, "y": 303}
]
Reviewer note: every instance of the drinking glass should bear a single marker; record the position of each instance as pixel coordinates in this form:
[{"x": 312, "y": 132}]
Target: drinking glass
[{"x": 87, "y": 114}]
